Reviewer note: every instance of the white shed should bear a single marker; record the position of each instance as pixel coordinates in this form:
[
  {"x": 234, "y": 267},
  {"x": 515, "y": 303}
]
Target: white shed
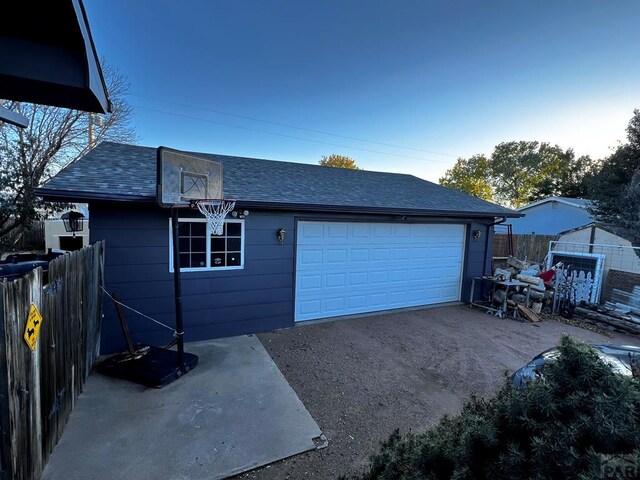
[{"x": 598, "y": 239}]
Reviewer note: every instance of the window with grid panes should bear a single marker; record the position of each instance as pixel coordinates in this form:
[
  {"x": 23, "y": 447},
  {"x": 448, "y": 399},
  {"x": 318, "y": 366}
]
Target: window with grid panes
[{"x": 200, "y": 250}]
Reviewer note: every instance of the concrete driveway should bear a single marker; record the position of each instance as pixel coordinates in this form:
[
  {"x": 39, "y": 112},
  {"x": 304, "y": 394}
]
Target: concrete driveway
[
  {"x": 233, "y": 412},
  {"x": 362, "y": 378}
]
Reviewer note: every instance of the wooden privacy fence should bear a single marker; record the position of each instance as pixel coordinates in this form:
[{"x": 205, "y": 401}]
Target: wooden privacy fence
[
  {"x": 532, "y": 247},
  {"x": 30, "y": 236},
  {"x": 38, "y": 389}
]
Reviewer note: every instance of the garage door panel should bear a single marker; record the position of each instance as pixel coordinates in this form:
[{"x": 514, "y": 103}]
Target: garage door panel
[
  {"x": 335, "y": 280},
  {"x": 309, "y": 282},
  {"x": 348, "y": 268},
  {"x": 419, "y": 253},
  {"x": 400, "y": 254},
  {"x": 310, "y": 307},
  {"x": 360, "y": 230},
  {"x": 357, "y": 301},
  {"x": 381, "y": 231},
  {"x": 400, "y": 231},
  {"x": 450, "y": 292},
  {"x": 381, "y": 254},
  {"x": 334, "y": 304},
  {"x": 310, "y": 258},
  {"x": 336, "y": 255},
  {"x": 309, "y": 231},
  {"x": 338, "y": 231},
  {"x": 358, "y": 279},
  {"x": 359, "y": 255},
  {"x": 398, "y": 276},
  {"x": 379, "y": 277},
  {"x": 378, "y": 300}
]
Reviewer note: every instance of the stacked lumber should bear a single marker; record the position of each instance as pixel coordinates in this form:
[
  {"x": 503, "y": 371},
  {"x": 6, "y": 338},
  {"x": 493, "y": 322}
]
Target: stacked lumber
[{"x": 607, "y": 318}]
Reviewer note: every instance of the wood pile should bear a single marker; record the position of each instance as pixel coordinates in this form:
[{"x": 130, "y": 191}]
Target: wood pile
[{"x": 608, "y": 318}]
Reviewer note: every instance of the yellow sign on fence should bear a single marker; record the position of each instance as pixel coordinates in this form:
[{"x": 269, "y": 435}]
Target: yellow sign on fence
[{"x": 32, "y": 329}]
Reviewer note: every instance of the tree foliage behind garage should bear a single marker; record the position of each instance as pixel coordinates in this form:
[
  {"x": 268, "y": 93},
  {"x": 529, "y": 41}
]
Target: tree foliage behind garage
[
  {"x": 54, "y": 138},
  {"x": 615, "y": 186},
  {"x": 556, "y": 428}
]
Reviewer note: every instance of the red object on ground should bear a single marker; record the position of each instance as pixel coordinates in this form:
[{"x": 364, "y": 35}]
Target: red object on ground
[{"x": 547, "y": 275}]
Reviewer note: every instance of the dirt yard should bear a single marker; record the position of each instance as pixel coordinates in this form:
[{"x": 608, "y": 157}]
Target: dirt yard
[{"x": 364, "y": 377}]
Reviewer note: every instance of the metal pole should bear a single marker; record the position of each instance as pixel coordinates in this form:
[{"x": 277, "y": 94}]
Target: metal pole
[
  {"x": 177, "y": 287},
  {"x": 90, "y": 132}
]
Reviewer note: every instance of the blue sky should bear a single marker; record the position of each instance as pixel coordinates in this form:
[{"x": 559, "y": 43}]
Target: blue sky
[{"x": 440, "y": 78}]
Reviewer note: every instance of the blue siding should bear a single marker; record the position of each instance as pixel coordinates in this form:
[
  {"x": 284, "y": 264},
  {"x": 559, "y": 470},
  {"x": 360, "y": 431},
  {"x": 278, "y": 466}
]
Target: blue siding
[
  {"x": 550, "y": 218},
  {"x": 216, "y": 303},
  {"x": 479, "y": 255}
]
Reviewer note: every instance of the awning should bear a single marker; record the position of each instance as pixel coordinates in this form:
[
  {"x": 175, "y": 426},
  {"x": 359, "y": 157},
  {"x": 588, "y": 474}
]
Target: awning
[{"x": 47, "y": 56}]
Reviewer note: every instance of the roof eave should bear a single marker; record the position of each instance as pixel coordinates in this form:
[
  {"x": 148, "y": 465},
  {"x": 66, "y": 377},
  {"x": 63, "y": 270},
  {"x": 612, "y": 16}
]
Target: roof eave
[
  {"x": 76, "y": 196},
  {"x": 564, "y": 201},
  {"x": 379, "y": 210},
  {"x": 52, "y": 195}
]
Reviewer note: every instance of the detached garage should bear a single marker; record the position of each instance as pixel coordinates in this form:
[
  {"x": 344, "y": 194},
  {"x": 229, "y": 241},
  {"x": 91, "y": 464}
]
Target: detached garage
[{"x": 304, "y": 242}]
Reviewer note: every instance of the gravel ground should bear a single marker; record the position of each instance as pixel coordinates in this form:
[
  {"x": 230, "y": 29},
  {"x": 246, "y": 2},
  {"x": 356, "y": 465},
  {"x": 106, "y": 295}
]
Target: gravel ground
[{"x": 362, "y": 378}]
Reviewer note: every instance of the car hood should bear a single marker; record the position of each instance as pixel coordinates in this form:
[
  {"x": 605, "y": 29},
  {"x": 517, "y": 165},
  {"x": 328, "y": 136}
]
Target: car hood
[{"x": 618, "y": 357}]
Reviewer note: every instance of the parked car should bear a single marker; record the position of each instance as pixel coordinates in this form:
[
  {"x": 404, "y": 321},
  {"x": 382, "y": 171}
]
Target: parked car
[
  {"x": 617, "y": 356},
  {"x": 11, "y": 271},
  {"x": 18, "y": 264}
]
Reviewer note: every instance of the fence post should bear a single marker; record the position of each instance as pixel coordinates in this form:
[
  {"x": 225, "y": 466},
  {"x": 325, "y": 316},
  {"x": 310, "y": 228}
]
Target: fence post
[
  {"x": 5, "y": 438},
  {"x": 38, "y": 389}
]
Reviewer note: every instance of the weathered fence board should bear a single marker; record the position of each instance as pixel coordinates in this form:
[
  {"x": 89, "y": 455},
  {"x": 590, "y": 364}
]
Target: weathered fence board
[
  {"x": 40, "y": 387},
  {"x": 29, "y": 237},
  {"x": 24, "y": 401},
  {"x": 532, "y": 247}
]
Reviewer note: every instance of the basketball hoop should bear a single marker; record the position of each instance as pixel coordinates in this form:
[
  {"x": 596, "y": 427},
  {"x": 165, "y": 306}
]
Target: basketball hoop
[{"x": 215, "y": 212}]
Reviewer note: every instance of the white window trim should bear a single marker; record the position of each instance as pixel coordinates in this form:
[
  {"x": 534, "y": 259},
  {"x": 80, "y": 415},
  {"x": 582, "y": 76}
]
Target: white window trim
[{"x": 208, "y": 253}]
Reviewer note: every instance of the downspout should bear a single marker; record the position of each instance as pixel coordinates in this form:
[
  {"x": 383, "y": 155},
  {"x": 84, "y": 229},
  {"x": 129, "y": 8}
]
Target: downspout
[{"x": 486, "y": 243}]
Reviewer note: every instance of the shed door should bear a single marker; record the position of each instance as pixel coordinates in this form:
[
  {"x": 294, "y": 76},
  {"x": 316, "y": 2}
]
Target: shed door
[{"x": 347, "y": 268}]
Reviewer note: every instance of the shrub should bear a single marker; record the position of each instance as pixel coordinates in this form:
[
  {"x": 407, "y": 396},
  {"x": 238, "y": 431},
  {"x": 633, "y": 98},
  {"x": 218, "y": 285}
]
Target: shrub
[{"x": 555, "y": 428}]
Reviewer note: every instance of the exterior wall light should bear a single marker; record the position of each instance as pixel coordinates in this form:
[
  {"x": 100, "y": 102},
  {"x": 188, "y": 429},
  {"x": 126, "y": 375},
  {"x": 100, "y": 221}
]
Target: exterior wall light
[
  {"x": 477, "y": 234},
  {"x": 240, "y": 213},
  {"x": 73, "y": 221},
  {"x": 280, "y": 235}
]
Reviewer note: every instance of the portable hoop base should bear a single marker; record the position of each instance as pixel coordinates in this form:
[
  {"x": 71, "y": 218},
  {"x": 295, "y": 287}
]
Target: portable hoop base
[{"x": 156, "y": 369}]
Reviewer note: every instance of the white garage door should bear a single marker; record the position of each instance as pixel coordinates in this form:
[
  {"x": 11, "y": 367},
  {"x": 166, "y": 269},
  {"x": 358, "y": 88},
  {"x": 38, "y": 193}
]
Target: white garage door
[{"x": 347, "y": 268}]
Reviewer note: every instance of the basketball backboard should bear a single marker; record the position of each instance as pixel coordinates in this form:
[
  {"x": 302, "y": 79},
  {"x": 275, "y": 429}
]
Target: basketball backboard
[{"x": 183, "y": 178}]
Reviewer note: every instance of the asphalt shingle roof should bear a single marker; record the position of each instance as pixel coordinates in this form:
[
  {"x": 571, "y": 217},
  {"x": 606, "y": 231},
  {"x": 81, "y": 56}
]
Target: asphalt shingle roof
[{"x": 114, "y": 171}]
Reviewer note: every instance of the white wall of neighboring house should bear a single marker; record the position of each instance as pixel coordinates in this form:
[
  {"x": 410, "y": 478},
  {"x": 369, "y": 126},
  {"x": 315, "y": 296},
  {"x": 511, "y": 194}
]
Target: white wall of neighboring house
[{"x": 54, "y": 229}]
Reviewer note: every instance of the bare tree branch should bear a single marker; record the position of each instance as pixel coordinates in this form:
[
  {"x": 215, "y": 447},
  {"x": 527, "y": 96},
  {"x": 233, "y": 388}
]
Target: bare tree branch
[{"x": 54, "y": 138}]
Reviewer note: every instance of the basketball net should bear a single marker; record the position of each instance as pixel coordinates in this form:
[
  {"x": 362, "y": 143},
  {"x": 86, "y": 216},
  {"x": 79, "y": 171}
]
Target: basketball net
[{"x": 215, "y": 213}]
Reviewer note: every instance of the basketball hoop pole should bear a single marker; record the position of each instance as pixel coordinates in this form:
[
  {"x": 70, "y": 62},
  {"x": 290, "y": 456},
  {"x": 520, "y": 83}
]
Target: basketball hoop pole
[
  {"x": 177, "y": 287},
  {"x": 161, "y": 366}
]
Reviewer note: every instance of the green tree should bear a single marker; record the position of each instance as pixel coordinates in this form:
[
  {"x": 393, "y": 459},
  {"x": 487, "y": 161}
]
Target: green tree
[
  {"x": 615, "y": 185},
  {"x": 54, "y": 138},
  {"x": 633, "y": 130},
  {"x": 525, "y": 171},
  {"x": 470, "y": 176},
  {"x": 553, "y": 429},
  {"x": 522, "y": 172},
  {"x": 339, "y": 161},
  {"x": 570, "y": 180}
]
